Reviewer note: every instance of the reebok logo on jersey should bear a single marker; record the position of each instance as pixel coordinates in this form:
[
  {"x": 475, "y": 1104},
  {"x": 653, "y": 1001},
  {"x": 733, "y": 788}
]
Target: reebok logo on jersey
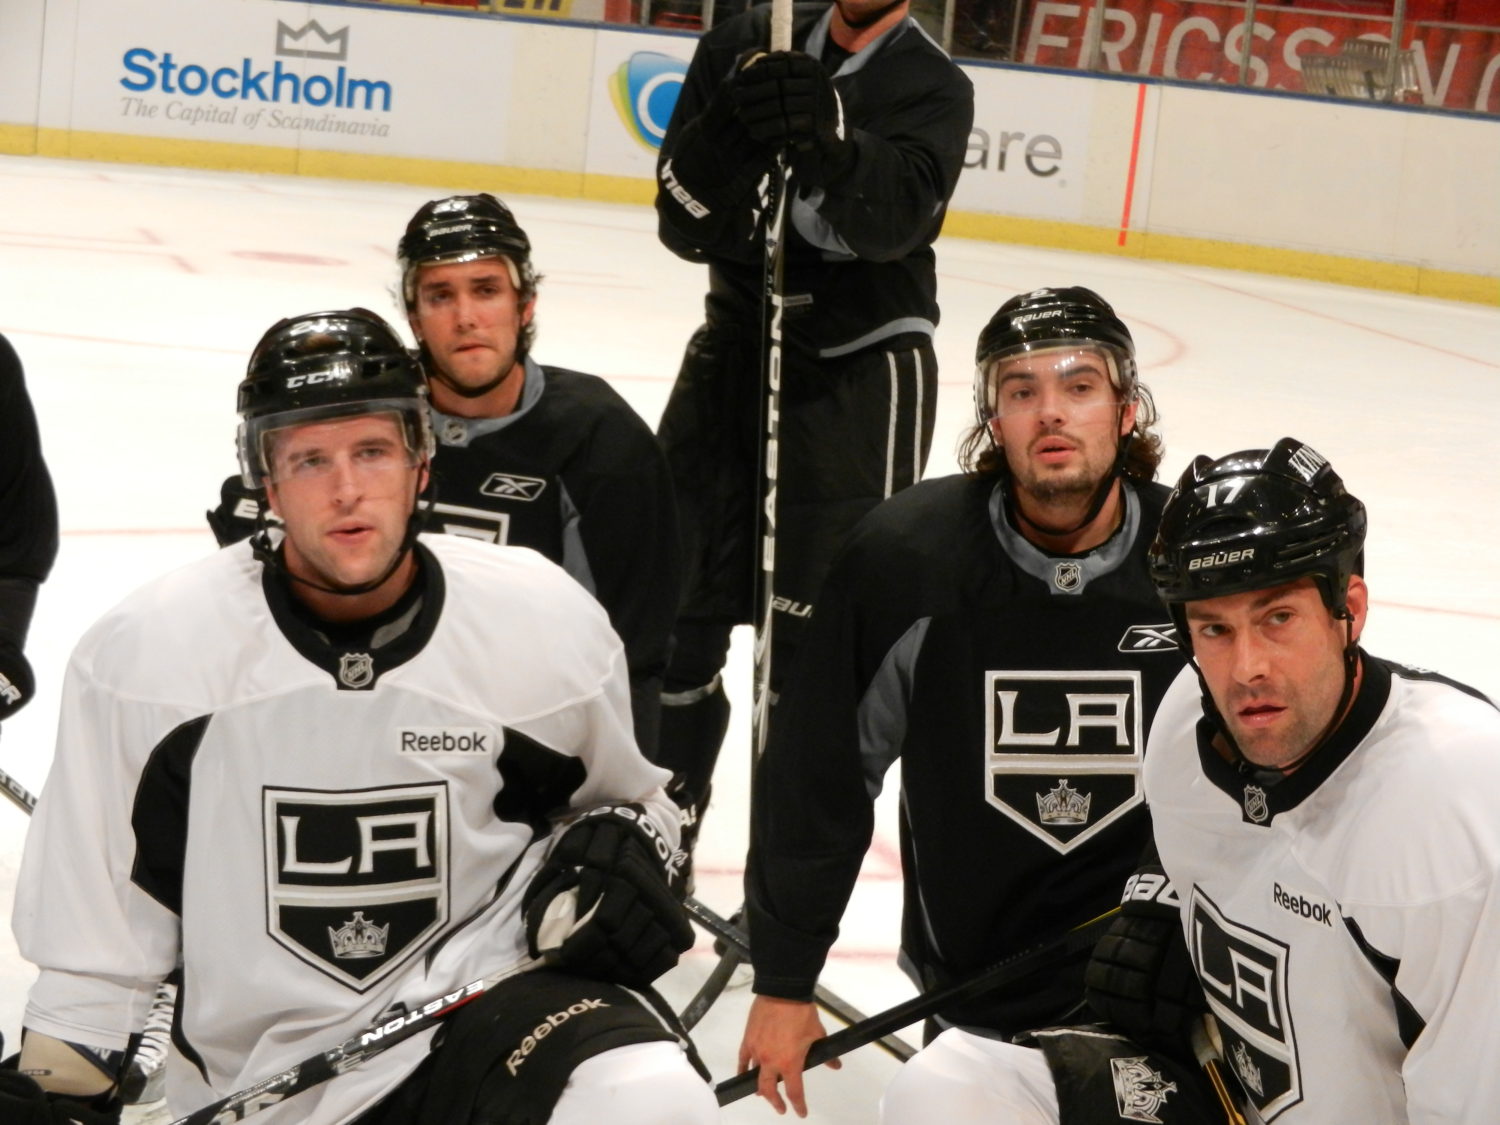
[
  {"x": 1301, "y": 906},
  {"x": 518, "y": 1057},
  {"x": 8, "y": 691},
  {"x": 506, "y": 486},
  {"x": 444, "y": 740},
  {"x": 1149, "y": 638}
]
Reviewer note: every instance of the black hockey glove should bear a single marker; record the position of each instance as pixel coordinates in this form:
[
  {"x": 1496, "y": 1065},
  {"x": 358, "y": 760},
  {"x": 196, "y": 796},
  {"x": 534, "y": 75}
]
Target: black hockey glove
[
  {"x": 1140, "y": 977},
  {"x": 23, "y": 1102},
  {"x": 787, "y": 102},
  {"x": 234, "y": 518},
  {"x": 603, "y": 900},
  {"x": 17, "y": 684}
]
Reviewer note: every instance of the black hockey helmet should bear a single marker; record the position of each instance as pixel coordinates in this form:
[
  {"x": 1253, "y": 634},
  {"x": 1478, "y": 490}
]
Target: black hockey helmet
[
  {"x": 1257, "y": 519},
  {"x": 1050, "y": 318},
  {"x": 328, "y": 365},
  {"x": 464, "y": 228}
]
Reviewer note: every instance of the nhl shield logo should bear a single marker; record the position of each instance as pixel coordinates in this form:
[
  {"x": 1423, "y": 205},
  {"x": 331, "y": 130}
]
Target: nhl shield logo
[
  {"x": 357, "y": 881},
  {"x": 1140, "y": 1091},
  {"x": 1257, "y": 808},
  {"x": 356, "y": 670},
  {"x": 1067, "y": 576}
]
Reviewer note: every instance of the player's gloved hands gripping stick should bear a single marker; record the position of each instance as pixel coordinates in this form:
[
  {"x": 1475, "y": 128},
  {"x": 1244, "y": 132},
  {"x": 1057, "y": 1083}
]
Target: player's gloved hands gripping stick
[
  {"x": 787, "y": 102},
  {"x": 602, "y": 902},
  {"x": 1140, "y": 977}
]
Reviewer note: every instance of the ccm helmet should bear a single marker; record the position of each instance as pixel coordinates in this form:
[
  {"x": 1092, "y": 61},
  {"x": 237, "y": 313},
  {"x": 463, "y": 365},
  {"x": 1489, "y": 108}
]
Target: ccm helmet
[
  {"x": 328, "y": 365},
  {"x": 464, "y": 228},
  {"x": 1257, "y": 519},
  {"x": 1051, "y": 318}
]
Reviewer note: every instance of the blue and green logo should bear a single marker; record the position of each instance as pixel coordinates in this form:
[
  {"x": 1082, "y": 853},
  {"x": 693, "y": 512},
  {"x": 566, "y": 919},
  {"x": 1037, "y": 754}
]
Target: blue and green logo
[{"x": 644, "y": 91}]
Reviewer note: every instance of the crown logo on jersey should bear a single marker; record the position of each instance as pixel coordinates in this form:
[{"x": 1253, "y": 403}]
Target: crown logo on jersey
[
  {"x": 1140, "y": 1092},
  {"x": 1245, "y": 1067},
  {"x": 1257, "y": 808},
  {"x": 1063, "y": 805},
  {"x": 356, "y": 669},
  {"x": 359, "y": 937},
  {"x": 1067, "y": 576}
]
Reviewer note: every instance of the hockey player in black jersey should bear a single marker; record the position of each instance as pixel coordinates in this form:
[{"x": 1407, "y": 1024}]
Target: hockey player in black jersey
[
  {"x": 28, "y": 530},
  {"x": 1327, "y": 820},
  {"x": 875, "y": 119},
  {"x": 997, "y": 633},
  {"x": 531, "y": 455},
  {"x": 340, "y": 769}
]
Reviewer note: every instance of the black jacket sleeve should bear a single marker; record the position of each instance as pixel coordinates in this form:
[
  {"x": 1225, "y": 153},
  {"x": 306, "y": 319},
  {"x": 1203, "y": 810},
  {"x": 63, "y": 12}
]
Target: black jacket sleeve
[
  {"x": 627, "y": 520},
  {"x": 28, "y": 505}
]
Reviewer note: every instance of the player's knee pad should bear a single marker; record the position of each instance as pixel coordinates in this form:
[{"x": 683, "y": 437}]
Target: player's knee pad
[
  {"x": 965, "y": 1079},
  {"x": 644, "y": 1084},
  {"x": 508, "y": 1055}
]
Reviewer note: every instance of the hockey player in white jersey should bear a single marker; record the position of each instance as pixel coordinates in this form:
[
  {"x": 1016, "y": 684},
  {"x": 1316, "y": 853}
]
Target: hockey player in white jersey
[
  {"x": 1327, "y": 819},
  {"x": 337, "y": 772}
]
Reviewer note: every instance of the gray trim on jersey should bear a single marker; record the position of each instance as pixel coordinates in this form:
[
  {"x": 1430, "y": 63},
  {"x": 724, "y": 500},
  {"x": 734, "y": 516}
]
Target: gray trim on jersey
[
  {"x": 817, "y": 40},
  {"x": 881, "y": 714},
  {"x": 575, "y": 558},
  {"x": 453, "y": 430},
  {"x": 898, "y": 327},
  {"x": 1113, "y": 553},
  {"x": 816, "y": 230}
]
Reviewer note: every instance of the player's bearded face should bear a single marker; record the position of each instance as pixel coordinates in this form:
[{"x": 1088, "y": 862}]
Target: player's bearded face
[
  {"x": 345, "y": 490},
  {"x": 1056, "y": 412},
  {"x": 1273, "y": 661},
  {"x": 470, "y": 316}
]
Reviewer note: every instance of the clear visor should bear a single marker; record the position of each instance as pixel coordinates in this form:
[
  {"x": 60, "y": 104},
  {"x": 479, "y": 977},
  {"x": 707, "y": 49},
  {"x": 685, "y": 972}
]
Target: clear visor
[
  {"x": 270, "y": 448},
  {"x": 409, "y": 282},
  {"x": 1058, "y": 377}
]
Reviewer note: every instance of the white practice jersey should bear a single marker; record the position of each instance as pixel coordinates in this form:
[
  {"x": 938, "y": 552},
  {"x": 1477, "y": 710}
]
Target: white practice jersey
[
  {"x": 318, "y": 831},
  {"x": 1345, "y": 922}
]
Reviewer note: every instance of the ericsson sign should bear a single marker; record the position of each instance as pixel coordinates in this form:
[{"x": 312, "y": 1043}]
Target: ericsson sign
[{"x": 247, "y": 80}]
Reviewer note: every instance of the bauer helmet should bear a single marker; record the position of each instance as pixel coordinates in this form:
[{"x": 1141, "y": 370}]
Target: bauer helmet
[
  {"x": 1053, "y": 318},
  {"x": 1257, "y": 519},
  {"x": 328, "y": 365},
  {"x": 464, "y": 228}
]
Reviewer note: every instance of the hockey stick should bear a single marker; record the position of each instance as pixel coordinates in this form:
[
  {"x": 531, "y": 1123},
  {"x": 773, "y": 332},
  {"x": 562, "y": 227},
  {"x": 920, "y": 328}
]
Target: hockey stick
[
  {"x": 773, "y": 190},
  {"x": 25, "y": 800},
  {"x": 736, "y": 942},
  {"x": 1206, "y": 1051},
  {"x": 352, "y": 1052},
  {"x": 1001, "y": 973}
]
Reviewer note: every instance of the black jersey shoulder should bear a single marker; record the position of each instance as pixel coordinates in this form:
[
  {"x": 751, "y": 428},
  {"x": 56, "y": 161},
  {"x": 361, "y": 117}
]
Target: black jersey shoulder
[{"x": 1409, "y": 672}]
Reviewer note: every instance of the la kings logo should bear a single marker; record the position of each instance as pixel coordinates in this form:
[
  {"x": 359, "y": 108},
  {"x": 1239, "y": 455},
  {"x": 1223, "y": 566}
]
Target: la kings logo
[
  {"x": 1063, "y": 750},
  {"x": 356, "y": 881},
  {"x": 1244, "y": 976},
  {"x": 472, "y": 523}
]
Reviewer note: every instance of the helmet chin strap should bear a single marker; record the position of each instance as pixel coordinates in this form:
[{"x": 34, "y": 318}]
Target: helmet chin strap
[
  {"x": 1270, "y": 775},
  {"x": 1101, "y": 494},
  {"x": 264, "y": 550}
]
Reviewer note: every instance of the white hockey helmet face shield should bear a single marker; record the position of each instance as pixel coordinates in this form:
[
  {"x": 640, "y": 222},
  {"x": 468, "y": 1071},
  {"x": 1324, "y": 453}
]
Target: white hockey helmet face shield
[{"x": 259, "y": 438}]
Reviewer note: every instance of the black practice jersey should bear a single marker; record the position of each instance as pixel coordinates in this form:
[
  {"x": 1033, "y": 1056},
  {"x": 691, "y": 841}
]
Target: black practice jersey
[
  {"x": 1016, "y": 688},
  {"x": 575, "y": 474},
  {"x": 859, "y": 264}
]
